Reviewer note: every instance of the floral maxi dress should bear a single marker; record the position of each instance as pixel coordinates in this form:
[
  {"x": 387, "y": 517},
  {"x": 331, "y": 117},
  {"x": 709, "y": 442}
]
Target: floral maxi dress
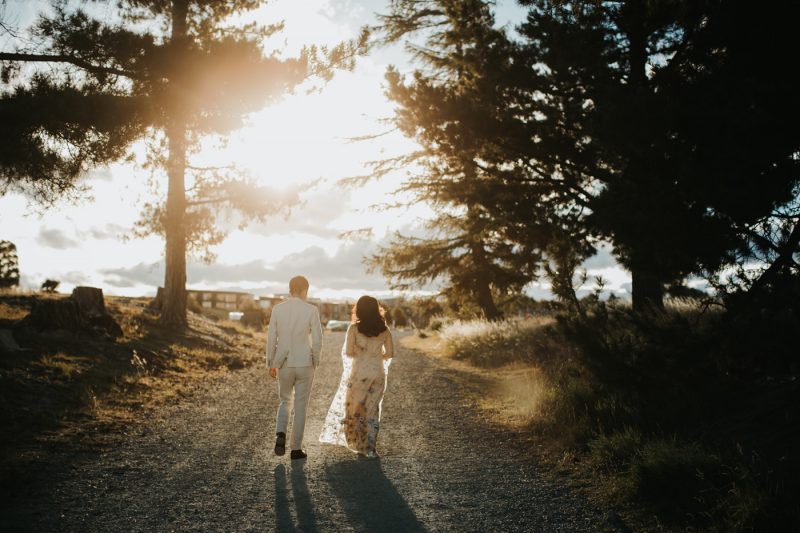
[{"x": 354, "y": 417}]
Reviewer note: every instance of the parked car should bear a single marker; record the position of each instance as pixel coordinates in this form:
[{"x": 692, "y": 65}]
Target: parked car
[{"x": 337, "y": 325}]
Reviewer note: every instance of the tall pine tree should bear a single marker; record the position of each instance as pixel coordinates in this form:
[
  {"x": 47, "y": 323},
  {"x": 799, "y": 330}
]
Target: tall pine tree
[
  {"x": 171, "y": 68},
  {"x": 452, "y": 107},
  {"x": 672, "y": 92}
]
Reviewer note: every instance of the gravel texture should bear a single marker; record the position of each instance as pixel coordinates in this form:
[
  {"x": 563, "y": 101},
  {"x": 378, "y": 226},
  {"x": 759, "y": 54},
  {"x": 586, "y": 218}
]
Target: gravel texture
[{"x": 207, "y": 464}]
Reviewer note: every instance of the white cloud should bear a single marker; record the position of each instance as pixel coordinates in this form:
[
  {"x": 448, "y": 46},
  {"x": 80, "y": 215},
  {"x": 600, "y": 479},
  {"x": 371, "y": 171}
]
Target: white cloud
[{"x": 56, "y": 238}]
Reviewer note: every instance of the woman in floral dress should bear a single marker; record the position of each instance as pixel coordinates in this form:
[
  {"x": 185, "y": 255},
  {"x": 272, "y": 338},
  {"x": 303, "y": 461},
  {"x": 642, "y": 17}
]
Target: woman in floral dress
[{"x": 354, "y": 416}]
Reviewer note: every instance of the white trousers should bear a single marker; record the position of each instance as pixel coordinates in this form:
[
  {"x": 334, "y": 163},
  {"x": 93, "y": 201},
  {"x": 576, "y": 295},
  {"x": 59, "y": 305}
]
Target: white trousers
[{"x": 299, "y": 379}]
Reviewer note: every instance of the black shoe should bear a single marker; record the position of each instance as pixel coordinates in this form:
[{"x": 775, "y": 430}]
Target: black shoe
[
  {"x": 280, "y": 444},
  {"x": 298, "y": 454}
]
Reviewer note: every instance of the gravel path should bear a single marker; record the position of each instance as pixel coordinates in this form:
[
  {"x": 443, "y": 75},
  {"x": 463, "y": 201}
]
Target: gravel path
[{"x": 207, "y": 465}]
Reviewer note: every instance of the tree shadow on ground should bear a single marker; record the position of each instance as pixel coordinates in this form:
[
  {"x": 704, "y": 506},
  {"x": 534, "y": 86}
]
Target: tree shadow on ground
[{"x": 369, "y": 499}]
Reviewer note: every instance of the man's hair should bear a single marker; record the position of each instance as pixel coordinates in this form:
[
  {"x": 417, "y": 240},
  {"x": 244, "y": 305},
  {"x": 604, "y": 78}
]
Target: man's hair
[{"x": 298, "y": 284}]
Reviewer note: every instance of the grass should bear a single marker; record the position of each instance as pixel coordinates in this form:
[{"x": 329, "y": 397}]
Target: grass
[
  {"x": 657, "y": 412},
  {"x": 62, "y": 384}
]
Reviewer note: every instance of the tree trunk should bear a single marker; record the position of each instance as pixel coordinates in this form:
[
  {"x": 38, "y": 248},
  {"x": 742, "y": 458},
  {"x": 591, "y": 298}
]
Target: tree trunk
[
  {"x": 173, "y": 309},
  {"x": 483, "y": 288},
  {"x": 486, "y": 301},
  {"x": 648, "y": 291}
]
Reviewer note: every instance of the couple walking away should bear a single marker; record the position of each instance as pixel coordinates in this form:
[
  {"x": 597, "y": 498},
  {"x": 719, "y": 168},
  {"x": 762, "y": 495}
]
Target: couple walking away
[{"x": 294, "y": 345}]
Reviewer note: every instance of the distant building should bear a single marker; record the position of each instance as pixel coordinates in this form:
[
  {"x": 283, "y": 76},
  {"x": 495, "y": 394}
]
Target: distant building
[
  {"x": 332, "y": 310},
  {"x": 222, "y": 301},
  {"x": 268, "y": 302}
]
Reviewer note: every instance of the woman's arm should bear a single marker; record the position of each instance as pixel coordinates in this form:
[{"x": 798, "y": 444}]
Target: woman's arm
[
  {"x": 388, "y": 345},
  {"x": 350, "y": 341}
]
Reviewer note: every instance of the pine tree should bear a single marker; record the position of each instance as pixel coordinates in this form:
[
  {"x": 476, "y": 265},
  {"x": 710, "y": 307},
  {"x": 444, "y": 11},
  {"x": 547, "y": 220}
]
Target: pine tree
[
  {"x": 496, "y": 212},
  {"x": 173, "y": 70},
  {"x": 670, "y": 92},
  {"x": 9, "y": 265}
]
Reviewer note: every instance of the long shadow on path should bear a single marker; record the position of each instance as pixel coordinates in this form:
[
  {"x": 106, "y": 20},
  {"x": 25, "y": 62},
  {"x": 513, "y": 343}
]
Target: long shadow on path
[
  {"x": 304, "y": 509},
  {"x": 369, "y": 499}
]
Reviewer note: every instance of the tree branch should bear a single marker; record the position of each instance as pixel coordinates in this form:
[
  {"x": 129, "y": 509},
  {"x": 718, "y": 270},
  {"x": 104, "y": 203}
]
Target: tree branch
[
  {"x": 785, "y": 257},
  {"x": 78, "y": 62}
]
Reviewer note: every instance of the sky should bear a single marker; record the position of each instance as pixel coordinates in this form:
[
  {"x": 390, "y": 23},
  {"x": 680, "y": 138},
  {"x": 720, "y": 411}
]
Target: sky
[{"x": 302, "y": 139}]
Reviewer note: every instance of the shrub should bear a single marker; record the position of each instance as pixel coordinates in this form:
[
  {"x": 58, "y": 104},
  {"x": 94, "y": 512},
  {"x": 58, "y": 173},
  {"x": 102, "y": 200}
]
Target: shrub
[
  {"x": 398, "y": 317},
  {"x": 436, "y": 323},
  {"x": 613, "y": 452},
  {"x": 613, "y": 384},
  {"x": 670, "y": 474}
]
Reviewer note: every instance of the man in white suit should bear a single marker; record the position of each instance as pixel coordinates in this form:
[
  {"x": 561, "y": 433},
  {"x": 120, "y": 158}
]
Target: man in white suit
[{"x": 294, "y": 343}]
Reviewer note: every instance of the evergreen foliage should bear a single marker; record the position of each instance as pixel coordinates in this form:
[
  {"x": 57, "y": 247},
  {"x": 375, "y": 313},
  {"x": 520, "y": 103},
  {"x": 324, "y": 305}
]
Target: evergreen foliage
[
  {"x": 169, "y": 71},
  {"x": 9, "y": 265}
]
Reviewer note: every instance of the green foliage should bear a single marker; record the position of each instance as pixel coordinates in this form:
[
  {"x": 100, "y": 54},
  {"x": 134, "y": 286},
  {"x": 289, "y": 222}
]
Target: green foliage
[
  {"x": 50, "y": 285},
  {"x": 9, "y": 265},
  {"x": 166, "y": 71},
  {"x": 650, "y": 90},
  {"x": 494, "y": 214}
]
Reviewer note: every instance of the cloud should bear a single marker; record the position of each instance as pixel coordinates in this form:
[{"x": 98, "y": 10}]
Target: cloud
[
  {"x": 319, "y": 208},
  {"x": 602, "y": 259},
  {"x": 140, "y": 274},
  {"x": 74, "y": 277},
  {"x": 109, "y": 231},
  {"x": 342, "y": 270},
  {"x": 55, "y": 238}
]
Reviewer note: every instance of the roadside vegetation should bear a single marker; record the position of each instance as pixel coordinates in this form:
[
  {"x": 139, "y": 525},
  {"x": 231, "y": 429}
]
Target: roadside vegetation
[
  {"x": 64, "y": 385},
  {"x": 660, "y": 412}
]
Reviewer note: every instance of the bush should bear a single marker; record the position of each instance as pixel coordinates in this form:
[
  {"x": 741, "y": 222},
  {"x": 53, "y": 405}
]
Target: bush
[
  {"x": 671, "y": 477},
  {"x": 613, "y": 453},
  {"x": 616, "y": 383},
  {"x": 398, "y": 317},
  {"x": 436, "y": 323}
]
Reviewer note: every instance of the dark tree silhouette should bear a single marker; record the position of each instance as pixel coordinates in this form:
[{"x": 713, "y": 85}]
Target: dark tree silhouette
[
  {"x": 496, "y": 213},
  {"x": 170, "y": 70},
  {"x": 686, "y": 120},
  {"x": 50, "y": 285},
  {"x": 9, "y": 265}
]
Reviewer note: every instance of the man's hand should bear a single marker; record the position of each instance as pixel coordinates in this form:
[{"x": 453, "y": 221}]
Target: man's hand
[{"x": 273, "y": 372}]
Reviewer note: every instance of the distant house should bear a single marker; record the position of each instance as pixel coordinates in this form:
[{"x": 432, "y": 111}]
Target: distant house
[
  {"x": 268, "y": 302},
  {"x": 327, "y": 310},
  {"x": 332, "y": 310},
  {"x": 221, "y": 302}
]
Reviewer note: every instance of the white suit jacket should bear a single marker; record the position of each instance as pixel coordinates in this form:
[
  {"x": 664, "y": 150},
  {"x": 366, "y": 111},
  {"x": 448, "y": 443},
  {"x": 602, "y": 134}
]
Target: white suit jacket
[{"x": 294, "y": 335}]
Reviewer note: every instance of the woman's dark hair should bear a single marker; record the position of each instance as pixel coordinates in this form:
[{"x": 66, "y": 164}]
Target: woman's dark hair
[{"x": 368, "y": 317}]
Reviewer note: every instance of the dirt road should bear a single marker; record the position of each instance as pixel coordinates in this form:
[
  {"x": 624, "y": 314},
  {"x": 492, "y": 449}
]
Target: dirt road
[{"x": 207, "y": 464}]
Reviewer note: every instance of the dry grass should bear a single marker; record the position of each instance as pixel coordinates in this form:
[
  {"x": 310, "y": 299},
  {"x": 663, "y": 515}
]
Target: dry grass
[
  {"x": 62, "y": 382},
  {"x": 11, "y": 312},
  {"x": 518, "y": 387}
]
